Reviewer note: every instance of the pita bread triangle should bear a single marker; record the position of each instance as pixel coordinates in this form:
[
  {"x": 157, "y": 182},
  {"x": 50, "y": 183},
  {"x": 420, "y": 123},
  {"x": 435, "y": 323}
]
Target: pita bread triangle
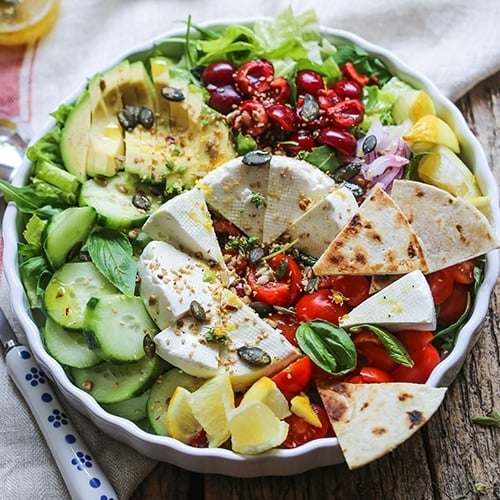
[
  {"x": 451, "y": 229},
  {"x": 378, "y": 239},
  {"x": 370, "y": 420}
]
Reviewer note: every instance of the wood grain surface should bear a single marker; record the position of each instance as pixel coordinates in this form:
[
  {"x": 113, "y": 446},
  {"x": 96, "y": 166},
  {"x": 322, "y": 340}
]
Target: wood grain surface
[{"x": 451, "y": 458}]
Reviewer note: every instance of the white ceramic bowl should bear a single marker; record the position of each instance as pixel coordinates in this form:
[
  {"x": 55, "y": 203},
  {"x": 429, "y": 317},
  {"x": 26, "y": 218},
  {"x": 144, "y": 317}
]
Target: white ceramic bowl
[{"x": 316, "y": 453}]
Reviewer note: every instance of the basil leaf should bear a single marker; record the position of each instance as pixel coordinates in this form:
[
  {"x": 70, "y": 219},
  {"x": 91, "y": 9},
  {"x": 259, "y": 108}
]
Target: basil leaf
[
  {"x": 394, "y": 347},
  {"x": 329, "y": 346},
  {"x": 111, "y": 252}
]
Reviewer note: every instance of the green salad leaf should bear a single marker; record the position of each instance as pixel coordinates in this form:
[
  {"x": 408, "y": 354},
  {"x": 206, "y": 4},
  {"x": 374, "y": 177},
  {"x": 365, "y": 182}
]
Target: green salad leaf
[
  {"x": 112, "y": 254},
  {"x": 329, "y": 346}
]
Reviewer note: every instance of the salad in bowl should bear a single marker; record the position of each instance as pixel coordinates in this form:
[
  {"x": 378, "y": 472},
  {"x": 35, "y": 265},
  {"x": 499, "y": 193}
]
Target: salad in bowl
[{"x": 251, "y": 243}]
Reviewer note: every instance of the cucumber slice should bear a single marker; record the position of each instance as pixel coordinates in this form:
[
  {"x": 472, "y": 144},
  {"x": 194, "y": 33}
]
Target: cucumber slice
[
  {"x": 160, "y": 395},
  {"x": 115, "y": 326},
  {"x": 65, "y": 230},
  {"x": 69, "y": 290},
  {"x": 121, "y": 201},
  {"x": 111, "y": 383},
  {"x": 69, "y": 347},
  {"x": 132, "y": 409}
]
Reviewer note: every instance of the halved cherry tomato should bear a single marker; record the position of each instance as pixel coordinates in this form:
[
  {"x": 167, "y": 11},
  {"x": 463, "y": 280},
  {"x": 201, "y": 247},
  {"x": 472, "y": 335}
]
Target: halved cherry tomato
[
  {"x": 226, "y": 227},
  {"x": 199, "y": 440},
  {"x": 283, "y": 116},
  {"x": 454, "y": 306},
  {"x": 463, "y": 272},
  {"x": 309, "y": 82},
  {"x": 279, "y": 90},
  {"x": 339, "y": 139},
  {"x": 287, "y": 324},
  {"x": 300, "y": 431},
  {"x": 295, "y": 377},
  {"x": 441, "y": 285},
  {"x": 327, "y": 99},
  {"x": 254, "y": 76},
  {"x": 250, "y": 118},
  {"x": 347, "y": 113},
  {"x": 354, "y": 288},
  {"x": 281, "y": 292},
  {"x": 373, "y": 351},
  {"x": 370, "y": 375},
  {"x": 425, "y": 360},
  {"x": 413, "y": 340},
  {"x": 320, "y": 305},
  {"x": 347, "y": 89}
]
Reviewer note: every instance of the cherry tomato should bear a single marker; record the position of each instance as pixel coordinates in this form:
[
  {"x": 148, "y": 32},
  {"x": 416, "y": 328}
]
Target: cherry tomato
[
  {"x": 327, "y": 99},
  {"x": 339, "y": 139},
  {"x": 425, "y": 360},
  {"x": 347, "y": 89},
  {"x": 251, "y": 118},
  {"x": 279, "y": 90},
  {"x": 218, "y": 73},
  {"x": 351, "y": 73},
  {"x": 320, "y": 305},
  {"x": 454, "y": 306},
  {"x": 346, "y": 114},
  {"x": 413, "y": 340},
  {"x": 224, "y": 226},
  {"x": 283, "y": 116},
  {"x": 224, "y": 99},
  {"x": 373, "y": 351},
  {"x": 300, "y": 141},
  {"x": 309, "y": 82},
  {"x": 370, "y": 375},
  {"x": 463, "y": 272},
  {"x": 287, "y": 324},
  {"x": 355, "y": 289},
  {"x": 199, "y": 440},
  {"x": 300, "y": 431},
  {"x": 280, "y": 292},
  {"x": 441, "y": 284},
  {"x": 254, "y": 76},
  {"x": 295, "y": 377}
]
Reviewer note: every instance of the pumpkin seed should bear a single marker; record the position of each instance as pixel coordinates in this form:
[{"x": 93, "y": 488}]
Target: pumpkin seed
[
  {"x": 310, "y": 108},
  {"x": 261, "y": 308},
  {"x": 254, "y": 355},
  {"x": 257, "y": 158},
  {"x": 142, "y": 202},
  {"x": 172, "y": 94},
  {"x": 198, "y": 311},
  {"x": 127, "y": 117},
  {"x": 281, "y": 269},
  {"x": 348, "y": 171},
  {"x": 369, "y": 144},
  {"x": 149, "y": 346},
  {"x": 255, "y": 255},
  {"x": 146, "y": 117}
]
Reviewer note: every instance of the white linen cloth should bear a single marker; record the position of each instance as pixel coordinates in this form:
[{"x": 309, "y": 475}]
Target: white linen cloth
[{"x": 456, "y": 43}]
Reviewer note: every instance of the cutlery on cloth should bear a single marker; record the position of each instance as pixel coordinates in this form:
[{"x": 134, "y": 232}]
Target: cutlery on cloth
[{"x": 84, "y": 478}]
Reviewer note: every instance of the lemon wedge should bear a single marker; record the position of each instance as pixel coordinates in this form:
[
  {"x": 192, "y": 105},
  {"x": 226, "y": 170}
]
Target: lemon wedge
[
  {"x": 266, "y": 391},
  {"x": 444, "y": 169},
  {"x": 301, "y": 406},
  {"x": 211, "y": 404},
  {"x": 434, "y": 130},
  {"x": 255, "y": 428},
  {"x": 180, "y": 421}
]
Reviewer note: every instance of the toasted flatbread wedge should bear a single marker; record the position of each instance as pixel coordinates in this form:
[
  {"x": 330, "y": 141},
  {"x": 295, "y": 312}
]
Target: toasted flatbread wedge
[
  {"x": 377, "y": 240},
  {"x": 451, "y": 229},
  {"x": 370, "y": 420}
]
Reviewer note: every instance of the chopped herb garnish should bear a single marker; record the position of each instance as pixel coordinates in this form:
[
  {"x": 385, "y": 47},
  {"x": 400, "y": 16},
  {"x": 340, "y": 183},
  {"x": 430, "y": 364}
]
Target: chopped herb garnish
[{"x": 258, "y": 199}]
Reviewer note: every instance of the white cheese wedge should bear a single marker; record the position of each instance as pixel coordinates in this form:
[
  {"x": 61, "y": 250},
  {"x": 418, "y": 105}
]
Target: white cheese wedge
[
  {"x": 404, "y": 304},
  {"x": 184, "y": 222},
  {"x": 170, "y": 280},
  {"x": 239, "y": 193},
  {"x": 244, "y": 327},
  {"x": 293, "y": 186},
  {"x": 319, "y": 225},
  {"x": 184, "y": 345}
]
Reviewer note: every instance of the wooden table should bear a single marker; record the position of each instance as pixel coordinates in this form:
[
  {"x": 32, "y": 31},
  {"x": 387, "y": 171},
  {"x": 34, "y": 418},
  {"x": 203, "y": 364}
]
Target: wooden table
[{"x": 451, "y": 458}]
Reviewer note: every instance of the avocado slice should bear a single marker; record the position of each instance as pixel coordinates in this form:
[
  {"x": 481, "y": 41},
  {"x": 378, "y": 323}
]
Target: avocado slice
[
  {"x": 141, "y": 81},
  {"x": 75, "y": 138},
  {"x": 127, "y": 89}
]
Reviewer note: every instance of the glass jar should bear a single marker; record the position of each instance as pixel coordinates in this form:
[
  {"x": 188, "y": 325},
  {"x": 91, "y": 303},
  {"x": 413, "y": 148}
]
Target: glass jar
[{"x": 24, "y": 21}]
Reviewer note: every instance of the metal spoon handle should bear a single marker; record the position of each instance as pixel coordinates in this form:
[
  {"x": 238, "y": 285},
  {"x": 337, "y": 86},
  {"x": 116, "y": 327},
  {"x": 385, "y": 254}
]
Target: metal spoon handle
[{"x": 83, "y": 477}]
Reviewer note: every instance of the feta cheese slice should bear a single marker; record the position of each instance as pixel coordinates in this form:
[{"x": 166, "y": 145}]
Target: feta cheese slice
[
  {"x": 170, "y": 280},
  {"x": 184, "y": 222},
  {"x": 238, "y": 192},
  {"x": 319, "y": 225},
  {"x": 404, "y": 304},
  {"x": 293, "y": 185},
  {"x": 244, "y": 327}
]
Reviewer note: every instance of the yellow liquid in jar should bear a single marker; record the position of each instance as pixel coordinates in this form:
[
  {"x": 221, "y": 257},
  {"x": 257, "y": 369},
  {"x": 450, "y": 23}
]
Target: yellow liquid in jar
[{"x": 26, "y": 20}]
